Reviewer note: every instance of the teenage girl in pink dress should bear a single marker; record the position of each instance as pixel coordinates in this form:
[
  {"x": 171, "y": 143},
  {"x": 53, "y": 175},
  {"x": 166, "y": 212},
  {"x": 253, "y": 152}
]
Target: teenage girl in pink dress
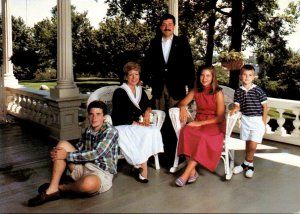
[{"x": 201, "y": 141}]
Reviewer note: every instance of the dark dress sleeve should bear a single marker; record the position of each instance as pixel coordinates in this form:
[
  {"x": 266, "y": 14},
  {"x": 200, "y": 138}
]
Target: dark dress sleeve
[
  {"x": 145, "y": 102},
  {"x": 124, "y": 112}
]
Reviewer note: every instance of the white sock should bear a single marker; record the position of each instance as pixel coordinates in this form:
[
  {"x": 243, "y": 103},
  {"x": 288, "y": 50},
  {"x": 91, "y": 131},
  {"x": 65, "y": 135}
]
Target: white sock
[{"x": 246, "y": 163}]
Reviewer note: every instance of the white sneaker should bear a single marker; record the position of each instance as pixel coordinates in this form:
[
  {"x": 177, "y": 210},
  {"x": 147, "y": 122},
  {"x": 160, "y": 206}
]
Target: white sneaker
[
  {"x": 240, "y": 168},
  {"x": 250, "y": 171}
]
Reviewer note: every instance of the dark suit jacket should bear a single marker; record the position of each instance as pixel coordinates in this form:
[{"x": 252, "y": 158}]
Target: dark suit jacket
[{"x": 177, "y": 73}]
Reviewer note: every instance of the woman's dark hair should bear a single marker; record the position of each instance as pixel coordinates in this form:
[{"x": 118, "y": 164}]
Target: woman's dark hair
[
  {"x": 214, "y": 83},
  {"x": 97, "y": 104}
]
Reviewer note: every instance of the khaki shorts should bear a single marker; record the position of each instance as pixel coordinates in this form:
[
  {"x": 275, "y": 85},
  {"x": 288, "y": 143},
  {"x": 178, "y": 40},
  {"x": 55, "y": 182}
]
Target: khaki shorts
[{"x": 81, "y": 170}]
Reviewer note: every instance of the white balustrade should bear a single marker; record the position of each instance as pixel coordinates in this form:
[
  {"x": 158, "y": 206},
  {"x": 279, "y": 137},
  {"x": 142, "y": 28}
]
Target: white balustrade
[
  {"x": 29, "y": 104},
  {"x": 33, "y": 105},
  {"x": 280, "y": 134}
]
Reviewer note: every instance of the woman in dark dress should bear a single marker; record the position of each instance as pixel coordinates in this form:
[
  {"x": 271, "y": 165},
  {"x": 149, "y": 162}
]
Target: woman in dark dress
[{"x": 131, "y": 115}]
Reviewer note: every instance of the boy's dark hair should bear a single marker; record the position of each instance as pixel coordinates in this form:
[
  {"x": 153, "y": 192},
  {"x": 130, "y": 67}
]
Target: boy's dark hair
[
  {"x": 165, "y": 17},
  {"x": 247, "y": 67},
  {"x": 97, "y": 104}
]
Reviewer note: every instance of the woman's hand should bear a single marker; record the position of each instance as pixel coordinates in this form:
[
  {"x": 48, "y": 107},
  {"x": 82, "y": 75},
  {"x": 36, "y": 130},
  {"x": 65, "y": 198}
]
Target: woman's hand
[
  {"x": 140, "y": 123},
  {"x": 183, "y": 114},
  {"x": 146, "y": 117},
  {"x": 195, "y": 123}
]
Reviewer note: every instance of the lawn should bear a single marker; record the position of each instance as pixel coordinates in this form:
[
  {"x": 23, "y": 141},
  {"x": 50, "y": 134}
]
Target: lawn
[{"x": 84, "y": 84}]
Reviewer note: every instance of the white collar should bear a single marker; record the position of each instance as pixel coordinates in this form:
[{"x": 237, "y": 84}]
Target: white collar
[
  {"x": 167, "y": 39},
  {"x": 134, "y": 99},
  {"x": 245, "y": 89}
]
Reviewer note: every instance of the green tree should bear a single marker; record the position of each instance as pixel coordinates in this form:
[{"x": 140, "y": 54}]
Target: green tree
[
  {"x": 45, "y": 33},
  {"x": 84, "y": 43},
  {"x": 24, "y": 56},
  {"x": 146, "y": 10},
  {"x": 120, "y": 41}
]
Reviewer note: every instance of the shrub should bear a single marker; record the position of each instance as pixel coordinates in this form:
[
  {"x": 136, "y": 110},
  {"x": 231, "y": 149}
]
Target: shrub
[{"x": 49, "y": 74}]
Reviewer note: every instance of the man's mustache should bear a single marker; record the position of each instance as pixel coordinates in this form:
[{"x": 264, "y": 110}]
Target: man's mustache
[{"x": 167, "y": 30}]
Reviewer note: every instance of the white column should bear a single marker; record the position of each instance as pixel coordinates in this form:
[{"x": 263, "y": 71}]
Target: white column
[
  {"x": 2, "y": 99},
  {"x": 7, "y": 67},
  {"x": 66, "y": 87},
  {"x": 64, "y": 99},
  {"x": 173, "y": 9}
]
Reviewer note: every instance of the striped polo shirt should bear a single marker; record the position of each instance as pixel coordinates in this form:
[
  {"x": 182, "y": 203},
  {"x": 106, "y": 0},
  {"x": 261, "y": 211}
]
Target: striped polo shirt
[{"x": 251, "y": 100}]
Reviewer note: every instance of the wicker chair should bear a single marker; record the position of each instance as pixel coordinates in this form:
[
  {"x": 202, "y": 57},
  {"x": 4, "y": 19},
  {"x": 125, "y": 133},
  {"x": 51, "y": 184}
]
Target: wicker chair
[
  {"x": 227, "y": 154},
  {"x": 105, "y": 94}
]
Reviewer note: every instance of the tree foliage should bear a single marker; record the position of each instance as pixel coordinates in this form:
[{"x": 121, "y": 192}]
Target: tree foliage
[
  {"x": 212, "y": 26},
  {"x": 119, "y": 41}
]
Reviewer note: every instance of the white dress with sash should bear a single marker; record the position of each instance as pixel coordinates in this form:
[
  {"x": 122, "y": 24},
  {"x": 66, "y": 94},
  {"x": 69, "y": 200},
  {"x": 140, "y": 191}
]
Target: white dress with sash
[{"x": 138, "y": 143}]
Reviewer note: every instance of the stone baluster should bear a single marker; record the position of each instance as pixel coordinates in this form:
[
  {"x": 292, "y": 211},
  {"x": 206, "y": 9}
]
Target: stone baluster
[
  {"x": 34, "y": 108},
  {"x": 14, "y": 103},
  {"x": 21, "y": 106},
  {"x": 268, "y": 127},
  {"x": 31, "y": 107},
  {"x": 44, "y": 109},
  {"x": 26, "y": 107},
  {"x": 280, "y": 121},
  {"x": 296, "y": 123},
  {"x": 38, "y": 109}
]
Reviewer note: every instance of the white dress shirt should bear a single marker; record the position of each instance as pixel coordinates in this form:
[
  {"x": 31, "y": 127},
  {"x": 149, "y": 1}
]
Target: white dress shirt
[{"x": 166, "y": 47}]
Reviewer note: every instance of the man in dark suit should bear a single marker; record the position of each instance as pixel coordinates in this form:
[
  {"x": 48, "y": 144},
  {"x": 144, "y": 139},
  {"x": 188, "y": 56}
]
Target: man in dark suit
[
  {"x": 169, "y": 71},
  {"x": 169, "y": 67}
]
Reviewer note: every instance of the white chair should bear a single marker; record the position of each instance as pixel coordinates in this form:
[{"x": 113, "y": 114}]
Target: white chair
[
  {"x": 105, "y": 94},
  {"x": 227, "y": 154}
]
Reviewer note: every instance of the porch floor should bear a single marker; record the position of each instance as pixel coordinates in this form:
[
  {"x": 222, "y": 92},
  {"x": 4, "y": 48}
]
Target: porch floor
[{"x": 275, "y": 187}]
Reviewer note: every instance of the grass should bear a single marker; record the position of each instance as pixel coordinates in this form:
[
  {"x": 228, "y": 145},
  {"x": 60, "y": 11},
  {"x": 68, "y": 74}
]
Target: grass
[
  {"x": 288, "y": 114},
  {"x": 84, "y": 84},
  {"x": 36, "y": 85}
]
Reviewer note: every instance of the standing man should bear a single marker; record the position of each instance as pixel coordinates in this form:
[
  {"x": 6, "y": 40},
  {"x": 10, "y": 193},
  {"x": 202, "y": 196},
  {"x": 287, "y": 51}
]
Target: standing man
[
  {"x": 91, "y": 163},
  {"x": 168, "y": 70},
  {"x": 169, "y": 67}
]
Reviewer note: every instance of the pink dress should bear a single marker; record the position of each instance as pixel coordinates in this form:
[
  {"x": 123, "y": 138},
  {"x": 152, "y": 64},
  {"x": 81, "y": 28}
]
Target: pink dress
[{"x": 204, "y": 144}]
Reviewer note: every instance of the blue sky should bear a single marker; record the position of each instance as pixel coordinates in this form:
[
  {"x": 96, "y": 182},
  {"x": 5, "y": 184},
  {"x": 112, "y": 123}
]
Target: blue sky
[{"x": 37, "y": 10}]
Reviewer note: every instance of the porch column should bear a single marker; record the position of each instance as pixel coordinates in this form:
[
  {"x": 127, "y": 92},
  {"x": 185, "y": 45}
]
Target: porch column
[
  {"x": 173, "y": 9},
  {"x": 64, "y": 98},
  {"x": 66, "y": 87},
  {"x": 7, "y": 67},
  {"x": 2, "y": 99}
]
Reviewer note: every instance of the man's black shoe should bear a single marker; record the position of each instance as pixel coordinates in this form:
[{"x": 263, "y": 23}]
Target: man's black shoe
[{"x": 43, "y": 198}]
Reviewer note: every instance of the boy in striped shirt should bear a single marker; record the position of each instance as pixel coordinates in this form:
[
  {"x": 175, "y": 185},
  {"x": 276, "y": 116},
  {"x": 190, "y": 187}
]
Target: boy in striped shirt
[{"x": 251, "y": 100}]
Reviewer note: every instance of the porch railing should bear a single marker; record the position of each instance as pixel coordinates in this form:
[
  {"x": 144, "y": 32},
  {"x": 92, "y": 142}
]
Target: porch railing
[{"x": 33, "y": 105}]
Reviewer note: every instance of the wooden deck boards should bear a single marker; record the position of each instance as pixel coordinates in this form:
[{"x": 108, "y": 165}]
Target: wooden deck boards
[{"x": 25, "y": 164}]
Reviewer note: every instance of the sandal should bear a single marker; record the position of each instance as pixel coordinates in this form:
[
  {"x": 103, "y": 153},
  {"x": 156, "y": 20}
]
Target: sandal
[
  {"x": 192, "y": 179},
  {"x": 180, "y": 182}
]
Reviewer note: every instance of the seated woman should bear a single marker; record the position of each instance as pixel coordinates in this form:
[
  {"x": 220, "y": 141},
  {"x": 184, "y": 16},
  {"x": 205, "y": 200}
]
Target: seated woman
[
  {"x": 201, "y": 140},
  {"x": 137, "y": 140}
]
